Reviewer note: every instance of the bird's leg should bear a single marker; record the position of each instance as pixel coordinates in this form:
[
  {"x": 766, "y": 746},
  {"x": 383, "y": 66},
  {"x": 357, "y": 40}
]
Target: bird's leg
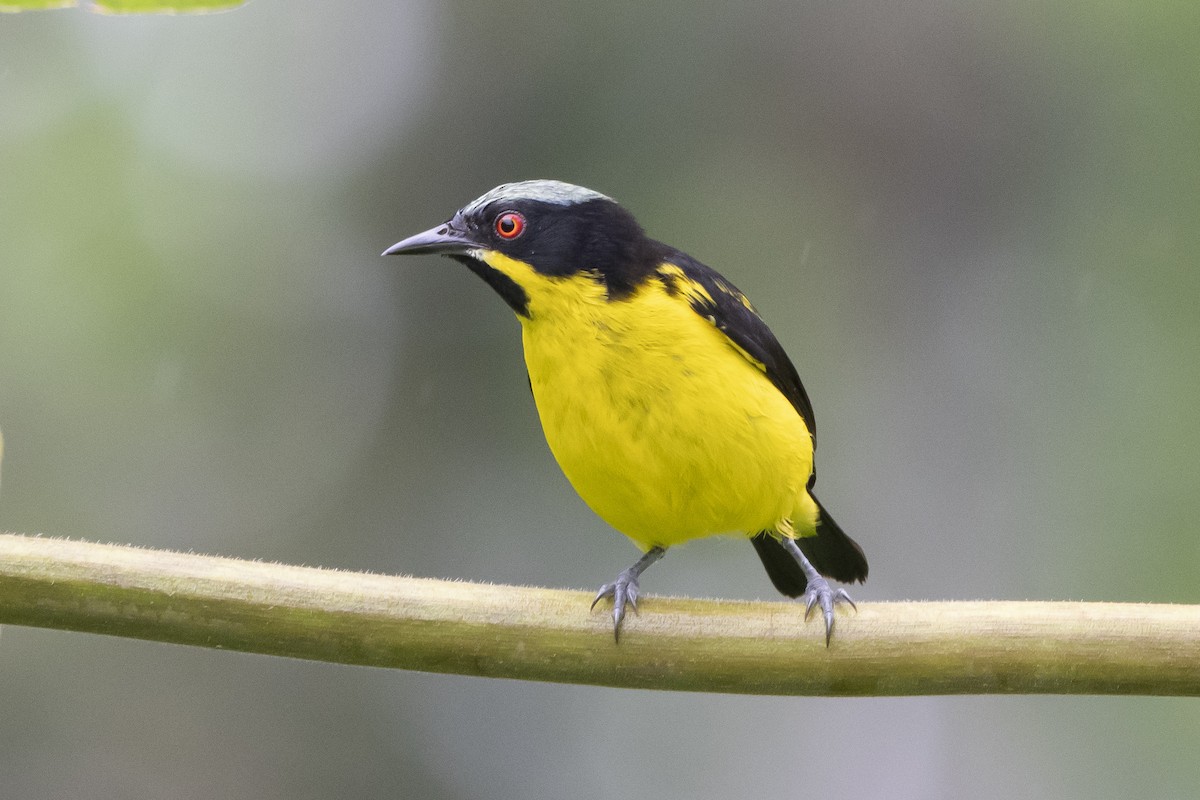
[
  {"x": 624, "y": 590},
  {"x": 819, "y": 592}
]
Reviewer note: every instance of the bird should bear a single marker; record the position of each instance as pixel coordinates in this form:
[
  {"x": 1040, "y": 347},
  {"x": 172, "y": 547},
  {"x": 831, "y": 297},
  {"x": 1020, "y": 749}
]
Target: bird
[{"x": 668, "y": 403}]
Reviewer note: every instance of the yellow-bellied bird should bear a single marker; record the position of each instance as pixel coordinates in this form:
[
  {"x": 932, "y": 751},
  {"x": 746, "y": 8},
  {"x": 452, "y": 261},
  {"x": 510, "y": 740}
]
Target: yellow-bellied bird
[{"x": 668, "y": 403}]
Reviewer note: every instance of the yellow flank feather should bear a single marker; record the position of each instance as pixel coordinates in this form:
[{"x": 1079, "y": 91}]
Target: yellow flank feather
[{"x": 665, "y": 427}]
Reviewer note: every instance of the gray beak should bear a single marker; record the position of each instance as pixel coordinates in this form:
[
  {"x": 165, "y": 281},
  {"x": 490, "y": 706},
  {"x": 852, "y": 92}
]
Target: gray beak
[{"x": 446, "y": 239}]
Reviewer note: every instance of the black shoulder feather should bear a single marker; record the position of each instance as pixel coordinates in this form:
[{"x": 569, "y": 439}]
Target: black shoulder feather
[{"x": 732, "y": 314}]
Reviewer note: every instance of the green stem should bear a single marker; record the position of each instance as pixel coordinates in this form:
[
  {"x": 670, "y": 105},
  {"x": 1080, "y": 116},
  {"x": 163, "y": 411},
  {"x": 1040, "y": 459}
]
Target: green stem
[{"x": 549, "y": 635}]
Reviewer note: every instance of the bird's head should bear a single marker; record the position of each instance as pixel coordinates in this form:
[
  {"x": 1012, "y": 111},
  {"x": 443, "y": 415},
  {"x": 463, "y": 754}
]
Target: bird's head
[{"x": 525, "y": 238}]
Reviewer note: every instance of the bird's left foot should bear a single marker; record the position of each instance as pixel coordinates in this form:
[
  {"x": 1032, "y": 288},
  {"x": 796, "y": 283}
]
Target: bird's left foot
[{"x": 820, "y": 593}]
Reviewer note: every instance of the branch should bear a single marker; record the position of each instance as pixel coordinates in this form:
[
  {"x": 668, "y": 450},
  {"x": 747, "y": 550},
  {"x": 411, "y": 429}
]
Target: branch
[{"x": 549, "y": 635}]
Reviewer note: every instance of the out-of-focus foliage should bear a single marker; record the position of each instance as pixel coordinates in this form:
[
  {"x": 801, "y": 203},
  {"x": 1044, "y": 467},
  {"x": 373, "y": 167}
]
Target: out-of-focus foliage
[
  {"x": 972, "y": 226},
  {"x": 126, "y": 6}
]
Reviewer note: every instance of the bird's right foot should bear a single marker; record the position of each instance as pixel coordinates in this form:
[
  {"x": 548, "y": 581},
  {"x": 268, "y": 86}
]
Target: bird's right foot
[
  {"x": 624, "y": 590},
  {"x": 624, "y": 593}
]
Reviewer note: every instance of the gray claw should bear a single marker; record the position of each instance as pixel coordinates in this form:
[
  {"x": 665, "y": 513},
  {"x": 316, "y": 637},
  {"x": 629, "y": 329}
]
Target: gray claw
[
  {"x": 624, "y": 593},
  {"x": 624, "y": 590},
  {"x": 821, "y": 593}
]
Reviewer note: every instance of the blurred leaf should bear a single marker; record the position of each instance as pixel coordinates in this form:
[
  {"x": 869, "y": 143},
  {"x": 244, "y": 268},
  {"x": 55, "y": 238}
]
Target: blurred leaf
[
  {"x": 127, "y": 6},
  {"x": 26, "y": 5}
]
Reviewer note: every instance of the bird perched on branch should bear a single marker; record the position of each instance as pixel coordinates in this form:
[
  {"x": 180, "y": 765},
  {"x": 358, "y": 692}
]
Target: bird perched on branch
[{"x": 667, "y": 401}]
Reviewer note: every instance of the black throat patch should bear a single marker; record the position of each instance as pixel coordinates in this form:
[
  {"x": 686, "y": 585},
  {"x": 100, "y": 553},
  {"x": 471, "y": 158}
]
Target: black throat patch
[{"x": 509, "y": 290}]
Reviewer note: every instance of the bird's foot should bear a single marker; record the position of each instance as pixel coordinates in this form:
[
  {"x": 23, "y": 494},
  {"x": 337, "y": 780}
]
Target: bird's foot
[
  {"x": 820, "y": 593},
  {"x": 624, "y": 593},
  {"x": 624, "y": 590}
]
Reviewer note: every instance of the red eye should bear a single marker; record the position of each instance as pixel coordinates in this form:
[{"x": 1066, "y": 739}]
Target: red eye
[{"x": 510, "y": 225}]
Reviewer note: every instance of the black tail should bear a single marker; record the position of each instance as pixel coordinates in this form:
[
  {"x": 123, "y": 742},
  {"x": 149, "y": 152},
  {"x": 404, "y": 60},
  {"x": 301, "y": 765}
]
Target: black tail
[{"x": 833, "y": 553}]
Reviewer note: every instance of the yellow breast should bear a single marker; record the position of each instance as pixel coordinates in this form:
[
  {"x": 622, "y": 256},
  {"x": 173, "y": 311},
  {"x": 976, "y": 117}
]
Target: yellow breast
[{"x": 665, "y": 429}]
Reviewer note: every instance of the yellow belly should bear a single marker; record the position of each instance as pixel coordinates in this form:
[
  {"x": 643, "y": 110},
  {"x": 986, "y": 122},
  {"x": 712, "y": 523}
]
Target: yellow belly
[{"x": 664, "y": 428}]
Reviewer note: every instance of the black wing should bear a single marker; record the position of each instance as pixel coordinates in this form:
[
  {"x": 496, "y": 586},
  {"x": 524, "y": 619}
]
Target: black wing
[
  {"x": 830, "y": 550},
  {"x": 724, "y": 305}
]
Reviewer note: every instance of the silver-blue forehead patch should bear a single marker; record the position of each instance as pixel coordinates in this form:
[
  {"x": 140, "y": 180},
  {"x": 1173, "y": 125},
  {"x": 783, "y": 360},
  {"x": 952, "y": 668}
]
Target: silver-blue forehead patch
[{"x": 545, "y": 191}]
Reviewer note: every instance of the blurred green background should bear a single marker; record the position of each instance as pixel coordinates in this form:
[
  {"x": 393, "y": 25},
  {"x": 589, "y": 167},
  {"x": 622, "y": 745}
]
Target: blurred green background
[{"x": 974, "y": 227}]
